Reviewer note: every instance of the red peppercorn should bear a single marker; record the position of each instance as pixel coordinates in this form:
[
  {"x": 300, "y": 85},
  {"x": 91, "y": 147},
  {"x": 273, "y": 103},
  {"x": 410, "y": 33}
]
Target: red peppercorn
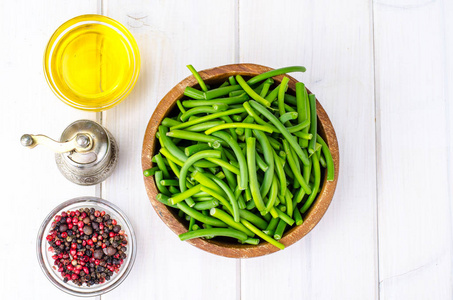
[
  {"x": 75, "y": 220},
  {"x": 101, "y": 226},
  {"x": 73, "y": 245},
  {"x": 86, "y": 270},
  {"x": 103, "y": 246},
  {"x": 68, "y": 220},
  {"x": 79, "y": 253},
  {"x": 94, "y": 239},
  {"x": 114, "y": 222},
  {"x": 50, "y": 249},
  {"x": 100, "y": 237},
  {"x": 64, "y": 214},
  {"x": 74, "y": 276},
  {"x": 70, "y": 267},
  {"x": 49, "y": 238},
  {"x": 102, "y": 213},
  {"x": 97, "y": 262},
  {"x": 84, "y": 243},
  {"x": 70, "y": 225},
  {"x": 111, "y": 234},
  {"x": 58, "y": 243},
  {"x": 60, "y": 269},
  {"x": 78, "y": 267},
  {"x": 92, "y": 259},
  {"x": 73, "y": 252},
  {"x": 97, "y": 214},
  {"x": 55, "y": 256},
  {"x": 64, "y": 235},
  {"x": 58, "y": 218},
  {"x": 77, "y": 213},
  {"x": 80, "y": 224},
  {"x": 60, "y": 255},
  {"x": 90, "y": 242}
]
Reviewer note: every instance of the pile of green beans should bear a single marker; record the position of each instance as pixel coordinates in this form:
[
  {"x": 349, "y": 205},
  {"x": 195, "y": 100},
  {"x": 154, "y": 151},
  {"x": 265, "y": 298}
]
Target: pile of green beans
[{"x": 242, "y": 160}]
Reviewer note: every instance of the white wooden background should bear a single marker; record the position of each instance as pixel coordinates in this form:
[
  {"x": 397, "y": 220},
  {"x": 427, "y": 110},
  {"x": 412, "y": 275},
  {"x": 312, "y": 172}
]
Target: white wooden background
[{"x": 382, "y": 69}]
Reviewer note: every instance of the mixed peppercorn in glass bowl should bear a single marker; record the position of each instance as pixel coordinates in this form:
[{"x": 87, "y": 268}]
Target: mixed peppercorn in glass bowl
[{"x": 86, "y": 246}]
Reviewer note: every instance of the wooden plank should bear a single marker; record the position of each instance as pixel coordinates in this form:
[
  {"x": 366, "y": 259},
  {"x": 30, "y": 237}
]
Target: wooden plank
[
  {"x": 170, "y": 34},
  {"x": 33, "y": 185},
  {"x": 414, "y": 207},
  {"x": 338, "y": 259}
]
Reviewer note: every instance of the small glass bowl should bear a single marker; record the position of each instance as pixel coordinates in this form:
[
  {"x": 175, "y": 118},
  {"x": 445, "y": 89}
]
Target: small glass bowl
[
  {"x": 45, "y": 256},
  {"x": 75, "y": 43}
]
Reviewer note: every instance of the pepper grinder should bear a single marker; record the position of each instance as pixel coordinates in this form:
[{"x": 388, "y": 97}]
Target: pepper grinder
[{"x": 87, "y": 152}]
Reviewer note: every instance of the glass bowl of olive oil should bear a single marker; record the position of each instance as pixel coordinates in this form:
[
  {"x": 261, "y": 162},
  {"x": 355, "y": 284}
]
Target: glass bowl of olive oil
[{"x": 92, "y": 62}]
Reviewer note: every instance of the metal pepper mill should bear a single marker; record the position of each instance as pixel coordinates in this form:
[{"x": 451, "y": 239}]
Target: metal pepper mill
[{"x": 87, "y": 152}]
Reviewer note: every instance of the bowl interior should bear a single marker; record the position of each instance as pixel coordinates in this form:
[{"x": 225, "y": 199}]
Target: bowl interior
[
  {"x": 45, "y": 256},
  {"x": 225, "y": 246}
]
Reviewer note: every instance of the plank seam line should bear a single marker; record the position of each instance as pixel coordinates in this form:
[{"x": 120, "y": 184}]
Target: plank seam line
[
  {"x": 377, "y": 137},
  {"x": 448, "y": 124}
]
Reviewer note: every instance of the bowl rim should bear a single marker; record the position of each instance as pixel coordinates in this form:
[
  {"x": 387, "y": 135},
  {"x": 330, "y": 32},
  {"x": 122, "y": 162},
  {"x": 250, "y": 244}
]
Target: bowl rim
[
  {"x": 132, "y": 246},
  {"x": 314, "y": 214},
  {"x": 63, "y": 29}
]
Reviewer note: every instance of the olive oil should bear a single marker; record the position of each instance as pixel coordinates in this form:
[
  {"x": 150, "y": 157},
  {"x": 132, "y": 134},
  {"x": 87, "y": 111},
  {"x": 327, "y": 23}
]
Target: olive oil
[{"x": 92, "y": 65}]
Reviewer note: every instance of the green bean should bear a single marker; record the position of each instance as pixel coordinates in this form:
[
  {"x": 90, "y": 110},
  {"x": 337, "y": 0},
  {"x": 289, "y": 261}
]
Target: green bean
[
  {"x": 317, "y": 174},
  {"x": 158, "y": 176},
  {"x": 164, "y": 199},
  {"x": 251, "y": 217},
  {"x": 174, "y": 167},
  {"x": 291, "y": 139},
  {"x": 193, "y": 136},
  {"x": 239, "y": 155},
  {"x": 199, "y": 216},
  {"x": 204, "y": 126},
  {"x": 291, "y": 99},
  {"x": 161, "y": 164},
  {"x": 278, "y": 234},
  {"x": 303, "y": 108},
  {"x": 197, "y": 110},
  {"x": 150, "y": 171},
  {"x": 251, "y": 92},
  {"x": 220, "y": 107},
  {"x": 167, "y": 122},
  {"x": 213, "y": 232},
  {"x": 219, "y": 92},
  {"x": 322, "y": 161},
  {"x": 273, "y": 95},
  {"x": 251, "y": 164},
  {"x": 203, "y": 198},
  {"x": 329, "y": 159},
  {"x": 198, "y": 78},
  {"x": 190, "y": 161},
  {"x": 173, "y": 190},
  {"x": 293, "y": 166},
  {"x": 266, "y": 86},
  {"x": 225, "y": 217},
  {"x": 238, "y": 99},
  {"x": 208, "y": 118},
  {"x": 301, "y": 126},
  {"x": 170, "y": 145},
  {"x": 239, "y": 125},
  {"x": 226, "y": 83},
  {"x": 190, "y": 150},
  {"x": 237, "y": 118},
  {"x": 206, "y": 181},
  {"x": 275, "y": 72},
  {"x": 184, "y": 195},
  {"x": 271, "y": 226},
  {"x": 230, "y": 195},
  {"x": 195, "y": 227},
  {"x": 218, "y": 197},
  {"x": 272, "y": 195},
  {"x": 206, "y": 205},
  {"x": 261, "y": 163},
  {"x": 269, "y": 158},
  {"x": 250, "y": 241},
  {"x": 313, "y": 123},
  {"x": 286, "y": 117},
  {"x": 274, "y": 143},
  {"x": 193, "y": 93},
  {"x": 281, "y": 97},
  {"x": 181, "y": 108},
  {"x": 280, "y": 173},
  {"x": 298, "y": 217},
  {"x": 259, "y": 233},
  {"x": 191, "y": 223},
  {"x": 241, "y": 202},
  {"x": 299, "y": 195},
  {"x": 169, "y": 182},
  {"x": 236, "y": 93}
]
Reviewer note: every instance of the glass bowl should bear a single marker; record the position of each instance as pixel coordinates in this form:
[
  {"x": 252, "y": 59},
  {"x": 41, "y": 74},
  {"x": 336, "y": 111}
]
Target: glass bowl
[
  {"x": 91, "y": 62},
  {"x": 45, "y": 256}
]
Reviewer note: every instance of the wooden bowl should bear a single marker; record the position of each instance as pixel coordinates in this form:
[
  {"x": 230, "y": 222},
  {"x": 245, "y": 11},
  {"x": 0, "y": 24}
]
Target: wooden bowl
[{"x": 219, "y": 246}]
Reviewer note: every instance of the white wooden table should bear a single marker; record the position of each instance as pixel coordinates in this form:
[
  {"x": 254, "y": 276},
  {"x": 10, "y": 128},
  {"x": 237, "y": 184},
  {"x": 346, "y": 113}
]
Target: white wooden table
[{"x": 383, "y": 70}]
